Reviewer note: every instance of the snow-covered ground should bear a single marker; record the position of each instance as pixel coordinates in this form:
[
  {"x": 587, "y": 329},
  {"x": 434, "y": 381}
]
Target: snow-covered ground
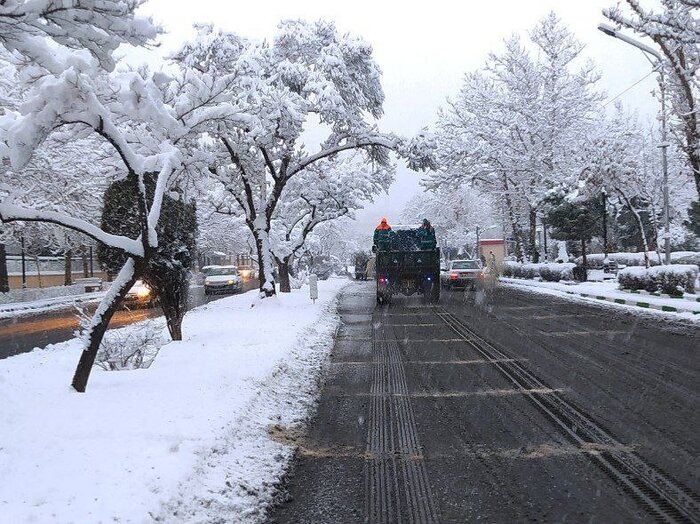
[
  {"x": 612, "y": 295},
  {"x": 185, "y": 440}
]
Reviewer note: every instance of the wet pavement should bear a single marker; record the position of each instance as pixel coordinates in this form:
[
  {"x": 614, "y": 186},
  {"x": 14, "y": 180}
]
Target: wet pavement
[
  {"x": 500, "y": 407},
  {"x": 26, "y": 332}
]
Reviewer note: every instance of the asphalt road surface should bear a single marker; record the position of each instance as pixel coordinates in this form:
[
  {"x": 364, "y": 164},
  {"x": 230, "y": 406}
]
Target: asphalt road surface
[
  {"x": 26, "y": 332},
  {"x": 500, "y": 407}
]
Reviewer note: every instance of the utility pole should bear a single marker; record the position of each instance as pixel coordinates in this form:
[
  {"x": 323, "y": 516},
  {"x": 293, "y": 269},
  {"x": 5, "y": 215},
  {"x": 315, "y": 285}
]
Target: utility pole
[
  {"x": 664, "y": 164},
  {"x": 24, "y": 264},
  {"x": 478, "y": 248},
  {"x": 611, "y": 31},
  {"x": 604, "y": 194},
  {"x": 4, "y": 279}
]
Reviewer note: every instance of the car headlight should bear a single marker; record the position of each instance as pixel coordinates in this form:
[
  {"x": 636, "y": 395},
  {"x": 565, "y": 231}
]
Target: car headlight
[
  {"x": 143, "y": 293},
  {"x": 231, "y": 282}
]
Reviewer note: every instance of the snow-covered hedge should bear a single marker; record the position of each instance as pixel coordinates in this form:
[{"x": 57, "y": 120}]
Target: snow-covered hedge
[
  {"x": 672, "y": 280},
  {"x": 547, "y": 271},
  {"x": 637, "y": 259}
]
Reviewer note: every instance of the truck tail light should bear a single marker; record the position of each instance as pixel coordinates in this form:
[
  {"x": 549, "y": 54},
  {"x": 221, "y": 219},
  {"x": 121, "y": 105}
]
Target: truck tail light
[{"x": 454, "y": 276}]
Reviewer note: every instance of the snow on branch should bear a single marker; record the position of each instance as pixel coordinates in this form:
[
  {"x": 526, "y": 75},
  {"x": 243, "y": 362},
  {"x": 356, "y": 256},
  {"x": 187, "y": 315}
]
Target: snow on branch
[
  {"x": 98, "y": 26},
  {"x": 12, "y": 213}
]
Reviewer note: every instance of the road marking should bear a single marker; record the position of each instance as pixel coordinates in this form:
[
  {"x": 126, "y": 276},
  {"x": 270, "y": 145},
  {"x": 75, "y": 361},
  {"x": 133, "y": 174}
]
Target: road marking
[
  {"x": 411, "y": 325},
  {"x": 414, "y": 340},
  {"x": 428, "y": 362},
  {"x": 566, "y": 333},
  {"x": 457, "y": 394}
]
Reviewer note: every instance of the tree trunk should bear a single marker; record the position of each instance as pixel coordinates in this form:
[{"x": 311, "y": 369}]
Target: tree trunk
[
  {"x": 517, "y": 233},
  {"x": 4, "y": 280},
  {"x": 67, "y": 268},
  {"x": 585, "y": 260},
  {"x": 86, "y": 266},
  {"x": 262, "y": 244},
  {"x": 38, "y": 269},
  {"x": 100, "y": 321},
  {"x": 640, "y": 225},
  {"x": 173, "y": 302},
  {"x": 283, "y": 268},
  {"x": 532, "y": 236}
]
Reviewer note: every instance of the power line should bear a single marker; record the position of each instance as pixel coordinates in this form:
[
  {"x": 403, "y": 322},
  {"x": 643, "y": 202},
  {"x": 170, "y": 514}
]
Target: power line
[{"x": 630, "y": 87}]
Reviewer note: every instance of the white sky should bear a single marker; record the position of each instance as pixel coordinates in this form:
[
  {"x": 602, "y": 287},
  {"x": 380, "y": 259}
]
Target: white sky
[{"x": 423, "y": 49}]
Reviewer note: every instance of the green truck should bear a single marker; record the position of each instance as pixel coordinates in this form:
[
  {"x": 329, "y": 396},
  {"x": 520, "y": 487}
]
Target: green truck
[{"x": 403, "y": 267}]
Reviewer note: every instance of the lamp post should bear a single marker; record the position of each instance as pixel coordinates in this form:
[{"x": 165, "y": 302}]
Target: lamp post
[{"x": 611, "y": 31}]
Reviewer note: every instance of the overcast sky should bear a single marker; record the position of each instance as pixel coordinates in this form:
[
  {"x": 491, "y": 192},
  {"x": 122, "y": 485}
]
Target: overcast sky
[{"x": 423, "y": 51}]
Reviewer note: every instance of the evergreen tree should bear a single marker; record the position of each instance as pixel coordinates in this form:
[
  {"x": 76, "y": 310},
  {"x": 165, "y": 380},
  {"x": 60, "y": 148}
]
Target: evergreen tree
[
  {"x": 578, "y": 221},
  {"x": 167, "y": 271}
]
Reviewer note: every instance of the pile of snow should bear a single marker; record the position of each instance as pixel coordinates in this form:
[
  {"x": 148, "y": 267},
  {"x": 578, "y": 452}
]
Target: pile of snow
[
  {"x": 551, "y": 272},
  {"x": 186, "y": 439},
  {"x": 672, "y": 280}
]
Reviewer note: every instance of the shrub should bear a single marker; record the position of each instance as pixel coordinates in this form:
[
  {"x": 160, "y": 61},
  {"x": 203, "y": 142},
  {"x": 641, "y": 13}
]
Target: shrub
[
  {"x": 672, "y": 280},
  {"x": 134, "y": 347},
  {"x": 547, "y": 271},
  {"x": 557, "y": 272}
]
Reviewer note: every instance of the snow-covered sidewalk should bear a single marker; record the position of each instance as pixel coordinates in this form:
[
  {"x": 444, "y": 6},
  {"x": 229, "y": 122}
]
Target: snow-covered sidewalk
[
  {"x": 608, "y": 291},
  {"x": 185, "y": 440}
]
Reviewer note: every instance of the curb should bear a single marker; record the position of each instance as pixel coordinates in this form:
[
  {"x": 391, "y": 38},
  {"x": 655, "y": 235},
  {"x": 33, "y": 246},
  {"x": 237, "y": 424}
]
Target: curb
[
  {"x": 647, "y": 305},
  {"x": 663, "y": 295},
  {"x": 637, "y": 303}
]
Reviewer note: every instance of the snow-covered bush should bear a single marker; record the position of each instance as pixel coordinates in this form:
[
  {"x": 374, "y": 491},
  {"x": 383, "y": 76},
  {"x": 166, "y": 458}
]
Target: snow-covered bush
[
  {"x": 672, "y": 280},
  {"x": 134, "y": 347},
  {"x": 557, "y": 272},
  {"x": 547, "y": 271}
]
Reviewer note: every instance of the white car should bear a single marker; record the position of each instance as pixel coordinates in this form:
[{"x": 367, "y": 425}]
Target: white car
[
  {"x": 223, "y": 279},
  {"x": 462, "y": 273}
]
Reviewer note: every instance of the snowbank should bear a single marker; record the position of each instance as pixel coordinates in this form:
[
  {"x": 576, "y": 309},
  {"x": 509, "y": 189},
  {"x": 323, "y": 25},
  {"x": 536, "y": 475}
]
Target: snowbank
[
  {"x": 183, "y": 439},
  {"x": 637, "y": 259},
  {"x": 608, "y": 294}
]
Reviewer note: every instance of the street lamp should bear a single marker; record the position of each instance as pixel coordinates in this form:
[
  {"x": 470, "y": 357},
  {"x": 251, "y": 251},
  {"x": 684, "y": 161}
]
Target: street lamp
[{"x": 611, "y": 31}]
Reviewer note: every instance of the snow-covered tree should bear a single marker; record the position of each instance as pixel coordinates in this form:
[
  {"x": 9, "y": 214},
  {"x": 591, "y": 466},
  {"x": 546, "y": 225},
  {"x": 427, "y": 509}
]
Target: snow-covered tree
[
  {"x": 516, "y": 126},
  {"x": 455, "y": 214},
  {"x": 64, "y": 53},
  {"x": 326, "y": 191},
  {"x": 267, "y": 94},
  {"x": 674, "y": 28}
]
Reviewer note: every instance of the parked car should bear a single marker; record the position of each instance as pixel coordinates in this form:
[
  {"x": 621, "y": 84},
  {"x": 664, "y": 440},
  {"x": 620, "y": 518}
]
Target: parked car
[
  {"x": 223, "y": 279},
  {"x": 140, "y": 295},
  {"x": 462, "y": 273}
]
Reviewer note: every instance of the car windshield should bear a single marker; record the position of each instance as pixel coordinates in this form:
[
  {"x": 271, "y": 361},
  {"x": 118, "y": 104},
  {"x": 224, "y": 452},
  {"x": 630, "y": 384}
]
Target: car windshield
[
  {"x": 466, "y": 264},
  {"x": 218, "y": 271}
]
